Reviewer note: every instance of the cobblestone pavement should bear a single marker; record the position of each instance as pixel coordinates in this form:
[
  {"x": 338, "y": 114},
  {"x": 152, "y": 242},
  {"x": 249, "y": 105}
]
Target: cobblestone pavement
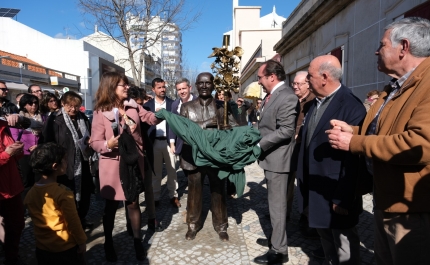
[{"x": 248, "y": 220}]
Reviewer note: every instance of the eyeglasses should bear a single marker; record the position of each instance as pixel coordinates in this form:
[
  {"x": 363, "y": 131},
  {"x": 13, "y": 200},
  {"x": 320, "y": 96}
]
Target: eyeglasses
[
  {"x": 36, "y": 91},
  {"x": 4, "y": 89},
  {"x": 32, "y": 103},
  {"x": 298, "y": 84},
  {"x": 124, "y": 85},
  {"x": 71, "y": 106}
]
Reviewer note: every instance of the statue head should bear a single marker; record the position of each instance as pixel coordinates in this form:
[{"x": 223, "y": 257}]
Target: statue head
[{"x": 205, "y": 84}]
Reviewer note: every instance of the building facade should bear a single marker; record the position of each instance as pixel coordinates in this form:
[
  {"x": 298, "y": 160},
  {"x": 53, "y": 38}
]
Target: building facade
[
  {"x": 163, "y": 40},
  {"x": 76, "y": 57},
  {"x": 348, "y": 29}
]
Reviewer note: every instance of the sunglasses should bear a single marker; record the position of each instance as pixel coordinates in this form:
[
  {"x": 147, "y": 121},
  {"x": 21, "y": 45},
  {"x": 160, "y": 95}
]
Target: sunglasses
[
  {"x": 32, "y": 103},
  {"x": 4, "y": 89}
]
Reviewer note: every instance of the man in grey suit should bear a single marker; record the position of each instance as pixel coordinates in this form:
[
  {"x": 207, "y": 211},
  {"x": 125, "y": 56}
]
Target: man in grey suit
[{"x": 277, "y": 127}]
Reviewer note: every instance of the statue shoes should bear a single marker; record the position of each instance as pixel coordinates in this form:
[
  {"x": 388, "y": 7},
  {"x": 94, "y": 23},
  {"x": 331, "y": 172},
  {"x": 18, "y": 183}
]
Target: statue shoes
[
  {"x": 192, "y": 231},
  {"x": 223, "y": 236}
]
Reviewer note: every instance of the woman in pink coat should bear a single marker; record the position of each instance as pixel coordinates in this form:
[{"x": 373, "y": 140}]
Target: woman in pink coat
[{"x": 113, "y": 109}]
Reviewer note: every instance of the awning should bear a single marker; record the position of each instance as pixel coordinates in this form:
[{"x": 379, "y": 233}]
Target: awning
[
  {"x": 16, "y": 86},
  {"x": 253, "y": 90}
]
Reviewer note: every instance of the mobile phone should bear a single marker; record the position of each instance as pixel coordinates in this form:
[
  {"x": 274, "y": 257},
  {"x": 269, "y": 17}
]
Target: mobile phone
[{"x": 19, "y": 135}]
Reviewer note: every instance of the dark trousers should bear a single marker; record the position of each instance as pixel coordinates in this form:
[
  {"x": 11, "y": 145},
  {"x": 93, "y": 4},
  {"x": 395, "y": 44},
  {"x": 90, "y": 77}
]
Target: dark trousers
[
  {"x": 195, "y": 198},
  {"x": 11, "y": 225},
  {"x": 67, "y": 257},
  {"x": 87, "y": 187}
]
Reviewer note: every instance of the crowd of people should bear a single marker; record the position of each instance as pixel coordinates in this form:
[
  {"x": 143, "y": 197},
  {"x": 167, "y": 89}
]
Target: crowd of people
[{"x": 315, "y": 133}]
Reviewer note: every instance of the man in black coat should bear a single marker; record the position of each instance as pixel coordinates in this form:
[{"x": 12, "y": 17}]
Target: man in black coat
[
  {"x": 327, "y": 177},
  {"x": 159, "y": 136}
]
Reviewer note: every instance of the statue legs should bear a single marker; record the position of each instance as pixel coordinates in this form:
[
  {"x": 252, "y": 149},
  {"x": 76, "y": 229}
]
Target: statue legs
[{"x": 195, "y": 201}]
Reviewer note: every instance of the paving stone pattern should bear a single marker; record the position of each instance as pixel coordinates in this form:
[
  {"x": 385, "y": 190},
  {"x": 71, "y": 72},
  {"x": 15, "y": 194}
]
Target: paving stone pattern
[{"x": 248, "y": 220}]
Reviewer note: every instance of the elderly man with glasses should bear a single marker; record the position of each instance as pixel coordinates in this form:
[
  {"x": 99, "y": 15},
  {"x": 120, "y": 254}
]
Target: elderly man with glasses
[{"x": 6, "y": 106}]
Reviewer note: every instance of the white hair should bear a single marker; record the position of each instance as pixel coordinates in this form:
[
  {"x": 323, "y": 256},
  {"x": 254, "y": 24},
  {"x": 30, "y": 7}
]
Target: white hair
[{"x": 414, "y": 29}]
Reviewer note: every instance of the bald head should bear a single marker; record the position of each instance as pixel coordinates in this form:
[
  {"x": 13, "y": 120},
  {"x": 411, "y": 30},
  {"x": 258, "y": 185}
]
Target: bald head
[{"x": 324, "y": 75}]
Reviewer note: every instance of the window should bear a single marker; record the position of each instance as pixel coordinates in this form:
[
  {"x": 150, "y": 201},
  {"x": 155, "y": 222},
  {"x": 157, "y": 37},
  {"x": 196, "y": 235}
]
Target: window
[{"x": 422, "y": 10}]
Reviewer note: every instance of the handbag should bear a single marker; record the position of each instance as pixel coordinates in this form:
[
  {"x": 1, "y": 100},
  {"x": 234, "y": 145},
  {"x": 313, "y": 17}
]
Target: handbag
[{"x": 129, "y": 171}]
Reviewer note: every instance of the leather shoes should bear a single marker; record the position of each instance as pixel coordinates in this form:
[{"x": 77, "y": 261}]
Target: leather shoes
[
  {"x": 223, "y": 236},
  {"x": 110, "y": 253},
  {"x": 154, "y": 225},
  {"x": 175, "y": 202},
  {"x": 264, "y": 242},
  {"x": 271, "y": 257}
]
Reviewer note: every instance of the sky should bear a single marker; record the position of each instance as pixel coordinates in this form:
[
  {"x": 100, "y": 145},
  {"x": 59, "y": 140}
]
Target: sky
[{"x": 62, "y": 18}]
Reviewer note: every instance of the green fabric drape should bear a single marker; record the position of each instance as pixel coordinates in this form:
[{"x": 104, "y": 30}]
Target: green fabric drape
[{"x": 227, "y": 150}]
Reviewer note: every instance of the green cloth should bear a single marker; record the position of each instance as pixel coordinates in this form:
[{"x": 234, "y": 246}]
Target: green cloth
[{"x": 227, "y": 150}]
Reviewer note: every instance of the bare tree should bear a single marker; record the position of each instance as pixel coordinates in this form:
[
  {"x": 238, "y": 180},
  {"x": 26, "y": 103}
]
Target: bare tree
[{"x": 138, "y": 25}]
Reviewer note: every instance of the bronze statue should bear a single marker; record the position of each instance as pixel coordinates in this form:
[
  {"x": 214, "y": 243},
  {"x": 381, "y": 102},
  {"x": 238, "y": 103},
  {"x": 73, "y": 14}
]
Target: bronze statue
[{"x": 203, "y": 111}]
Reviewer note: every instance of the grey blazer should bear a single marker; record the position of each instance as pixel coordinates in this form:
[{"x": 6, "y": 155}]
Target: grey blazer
[{"x": 277, "y": 127}]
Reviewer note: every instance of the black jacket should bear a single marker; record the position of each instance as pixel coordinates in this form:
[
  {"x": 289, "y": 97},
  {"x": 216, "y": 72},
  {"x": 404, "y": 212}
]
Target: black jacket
[
  {"x": 55, "y": 130},
  {"x": 8, "y": 107}
]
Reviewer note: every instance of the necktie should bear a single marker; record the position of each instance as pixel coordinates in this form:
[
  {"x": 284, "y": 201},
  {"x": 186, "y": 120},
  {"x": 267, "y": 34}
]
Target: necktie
[{"x": 268, "y": 98}]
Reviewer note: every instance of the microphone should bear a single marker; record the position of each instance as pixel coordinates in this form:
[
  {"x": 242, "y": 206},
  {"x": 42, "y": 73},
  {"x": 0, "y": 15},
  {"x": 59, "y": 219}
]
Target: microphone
[{"x": 114, "y": 126}]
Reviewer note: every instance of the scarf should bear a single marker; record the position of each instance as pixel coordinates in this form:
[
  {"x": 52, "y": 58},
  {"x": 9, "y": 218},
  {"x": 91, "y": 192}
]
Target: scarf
[
  {"x": 36, "y": 122},
  {"x": 77, "y": 170}
]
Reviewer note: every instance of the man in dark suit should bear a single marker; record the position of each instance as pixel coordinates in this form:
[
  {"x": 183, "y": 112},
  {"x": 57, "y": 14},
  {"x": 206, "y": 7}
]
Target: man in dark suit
[
  {"x": 159, "y": 135},
  {"x": 183, "y": 87},
  {"x": 277, "y": 125},
  {"x": 326, "y": 177}
]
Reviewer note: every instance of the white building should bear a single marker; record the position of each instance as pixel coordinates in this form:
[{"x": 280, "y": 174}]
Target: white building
[
  {"x": 256, "y": 35},
  {"x": 152, "y": 63},
  {"x": 163, "y": 40},
  {"x": 76, "y": 57}
]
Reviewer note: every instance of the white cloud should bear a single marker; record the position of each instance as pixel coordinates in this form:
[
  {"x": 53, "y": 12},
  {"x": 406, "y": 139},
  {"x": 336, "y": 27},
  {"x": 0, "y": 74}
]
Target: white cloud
[{"x": 82, "y": 24}]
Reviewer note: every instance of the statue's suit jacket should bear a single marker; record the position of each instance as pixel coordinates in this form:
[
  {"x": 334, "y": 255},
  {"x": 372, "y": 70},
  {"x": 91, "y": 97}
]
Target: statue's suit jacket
[{"x": 277, "y": 127}]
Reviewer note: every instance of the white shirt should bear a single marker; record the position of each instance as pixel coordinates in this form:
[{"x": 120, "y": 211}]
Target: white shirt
[
  {"x": 274, "y": 88},
  {"x": 179, "y": 111},
  {"x": 180, "y": 103},
  {"x": 161, "y": 127}
]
